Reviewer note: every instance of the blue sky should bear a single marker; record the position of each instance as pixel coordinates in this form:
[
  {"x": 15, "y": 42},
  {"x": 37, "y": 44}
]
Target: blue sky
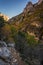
[{"x": 13, "y": 7}]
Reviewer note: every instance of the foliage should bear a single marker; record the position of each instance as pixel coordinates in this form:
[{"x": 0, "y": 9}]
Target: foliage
[
  {"x": 1, "y": 25},
  {"x": 31, "y": 40},
  {"x": 13, "y": 31},
  {"x": 1, "y": 21}
]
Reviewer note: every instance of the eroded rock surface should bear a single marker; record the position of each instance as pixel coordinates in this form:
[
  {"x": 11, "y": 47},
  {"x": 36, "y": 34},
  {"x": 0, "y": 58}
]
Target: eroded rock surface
[{"x": 9, "y": 56}]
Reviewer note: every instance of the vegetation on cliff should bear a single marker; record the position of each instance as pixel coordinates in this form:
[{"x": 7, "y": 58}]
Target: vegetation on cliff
[{"x": 26, "y": 30}]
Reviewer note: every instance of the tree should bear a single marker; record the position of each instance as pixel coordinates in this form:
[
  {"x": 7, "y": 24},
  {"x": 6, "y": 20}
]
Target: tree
[
  {"x": 1, "y": 22},
  {"x": 1, "y": 25}
]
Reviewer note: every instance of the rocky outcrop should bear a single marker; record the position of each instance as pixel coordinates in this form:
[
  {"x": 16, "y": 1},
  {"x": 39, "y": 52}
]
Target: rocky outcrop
[
  {"x": 6, "y": 18},
  {"x": 33, "y": 55},
  {"x": 28, "y": 8},
  {"x": 5, "y": 54},
  {"x": 31, "y": 19},
  {"x": 40, "y": 1},
  {"x": 9, "y": 56}
]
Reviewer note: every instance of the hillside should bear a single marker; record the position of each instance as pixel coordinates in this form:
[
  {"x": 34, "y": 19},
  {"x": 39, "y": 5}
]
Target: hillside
[
  {"x": 30, "y": 20},
  {"x": 25, "y": 31}
]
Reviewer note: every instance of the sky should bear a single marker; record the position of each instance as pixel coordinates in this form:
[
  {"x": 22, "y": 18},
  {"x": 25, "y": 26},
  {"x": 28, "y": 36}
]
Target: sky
[{"x": 13, "y": 7}]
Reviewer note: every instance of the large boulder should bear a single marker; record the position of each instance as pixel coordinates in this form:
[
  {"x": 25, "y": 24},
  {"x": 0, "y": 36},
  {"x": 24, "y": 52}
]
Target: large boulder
[
  {"x": 4, "y": 51},
  {"x": 5, "y": 55}
]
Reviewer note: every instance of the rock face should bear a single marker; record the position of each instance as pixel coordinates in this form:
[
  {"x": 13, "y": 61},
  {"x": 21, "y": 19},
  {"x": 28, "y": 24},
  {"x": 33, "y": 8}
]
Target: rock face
[
  {"x": 5, "y": 54},
  {"x": 6, "y": 18},
  {"x": 9, "y": 56},
  {"x": 28, "y": 7},
  {"x": 40, "y": 1},
  {"x": 31, "y": 19}
]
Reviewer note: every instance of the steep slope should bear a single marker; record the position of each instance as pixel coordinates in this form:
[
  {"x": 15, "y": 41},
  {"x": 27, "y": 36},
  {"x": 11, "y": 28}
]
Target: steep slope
[
  {"x": 30, "y": 20},
  {"x": 25, "y": 30}
]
